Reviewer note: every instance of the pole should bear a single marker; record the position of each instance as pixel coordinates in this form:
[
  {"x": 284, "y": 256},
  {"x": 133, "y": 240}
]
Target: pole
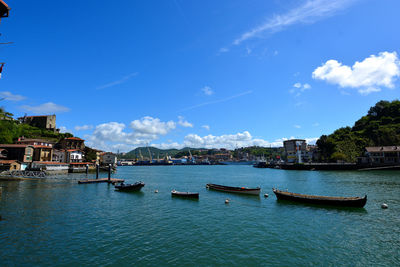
[
  {"x": 109, "y": 172},
  {"x": 87, "y": 169},
  {"x": 97, "y": 171}
]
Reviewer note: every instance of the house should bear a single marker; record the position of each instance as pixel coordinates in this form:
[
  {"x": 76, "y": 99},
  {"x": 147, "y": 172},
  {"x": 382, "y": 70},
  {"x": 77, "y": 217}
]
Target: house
[
  {"x": 20, "y": 152},
  {"x": 44, "y": 122},
  {"x": 43, "y": 149},
  {"x": 59, "y": 155},
  {"x": 381, "y": 155},
  {"x": 107, "y": 158},
  {"x": 72, "y": 143},
  {"x": 74, "y": 155},
  {"x": 10, "y": 165}
]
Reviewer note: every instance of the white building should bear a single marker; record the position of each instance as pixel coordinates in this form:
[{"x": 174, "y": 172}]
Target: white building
[
  {"x": 296, "y": 151},
  {"x": 108, "y": 158},
  {"x": 74, "y": 155}
]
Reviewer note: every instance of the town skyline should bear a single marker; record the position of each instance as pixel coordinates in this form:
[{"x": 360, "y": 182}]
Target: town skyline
[{"x": 211, "y": 75}]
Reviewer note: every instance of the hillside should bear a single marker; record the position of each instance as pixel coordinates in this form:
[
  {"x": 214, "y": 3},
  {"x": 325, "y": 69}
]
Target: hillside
[
  {"x": 10, "y": 131},
  {"x": 380, "y": 127}
]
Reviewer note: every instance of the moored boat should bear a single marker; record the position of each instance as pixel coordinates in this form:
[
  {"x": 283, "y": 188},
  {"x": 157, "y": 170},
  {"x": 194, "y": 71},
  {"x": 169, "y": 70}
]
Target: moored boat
[
  {"x": 175, "y": 193},
  {"x": 358, "y": 202},
  {"x": 129, "y": 187},
  {"x": 231, "y": 189}
]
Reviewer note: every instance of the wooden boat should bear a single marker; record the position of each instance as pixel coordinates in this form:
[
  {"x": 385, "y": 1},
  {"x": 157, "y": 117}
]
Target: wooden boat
[
  {"x": 129, "y": 187},
  {"x": 231, "y": 189},
  {"x": 358, "y": 202},
  {"x": 175, "y": 193}
]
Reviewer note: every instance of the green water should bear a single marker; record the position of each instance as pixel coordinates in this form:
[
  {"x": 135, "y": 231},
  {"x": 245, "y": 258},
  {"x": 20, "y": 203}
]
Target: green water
[{"x": 56, "y": 222}]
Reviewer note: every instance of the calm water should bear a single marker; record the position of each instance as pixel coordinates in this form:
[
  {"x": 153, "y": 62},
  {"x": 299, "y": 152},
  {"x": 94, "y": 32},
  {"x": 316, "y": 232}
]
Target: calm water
[{"x": 56, "y": 222}]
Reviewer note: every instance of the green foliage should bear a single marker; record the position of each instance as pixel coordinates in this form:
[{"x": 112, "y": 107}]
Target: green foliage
[
  {"x": 380, "y": 127},
  {"x": 10, "y": 130}
]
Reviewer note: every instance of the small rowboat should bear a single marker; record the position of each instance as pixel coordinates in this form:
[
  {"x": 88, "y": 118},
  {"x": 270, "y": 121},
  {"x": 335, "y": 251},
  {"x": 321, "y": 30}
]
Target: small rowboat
[
  {"x": 175, "y": 193},
  {"x": 129, "y": 187},
  {"x": 231, "y": 189},
  {"x": 358, "y": 202}
]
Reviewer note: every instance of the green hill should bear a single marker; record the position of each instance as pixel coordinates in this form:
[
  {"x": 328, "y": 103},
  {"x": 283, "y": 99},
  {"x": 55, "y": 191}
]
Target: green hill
[
  {"x": 380, "y": 127},
  {"x": 10, "y": 130}
]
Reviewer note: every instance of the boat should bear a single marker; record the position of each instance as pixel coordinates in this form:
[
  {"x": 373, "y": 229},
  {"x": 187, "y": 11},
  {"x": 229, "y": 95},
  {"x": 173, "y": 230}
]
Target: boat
[
  {"x": 231, "y": 189},
  {"x": 175, "y": 193},
  {"x": 129, "y": 187},
  {"x": 358, "y": 202}
]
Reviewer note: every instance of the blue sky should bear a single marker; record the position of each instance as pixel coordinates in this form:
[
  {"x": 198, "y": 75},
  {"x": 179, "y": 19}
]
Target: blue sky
[{"x": 199, "y": 73}]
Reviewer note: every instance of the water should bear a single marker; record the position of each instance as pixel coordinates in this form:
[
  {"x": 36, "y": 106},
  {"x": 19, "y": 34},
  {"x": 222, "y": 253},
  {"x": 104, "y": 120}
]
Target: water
[{"x": 56, "y": 222}]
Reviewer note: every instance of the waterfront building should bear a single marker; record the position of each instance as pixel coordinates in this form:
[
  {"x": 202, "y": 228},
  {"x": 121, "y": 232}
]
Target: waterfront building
[
  {"x": 59, "y": 155},
  {"x": 381, "y": 155},
  {"x": 108, "y": 158},
  {"x": 20, "y": 152},
  {"x": 51, "y": 167},
  {"x": 296, "y": 151},
  {"x": 47, "y": 122},
  {"x": 72, "y": 143},
  {"x": 74, "y": 155}
]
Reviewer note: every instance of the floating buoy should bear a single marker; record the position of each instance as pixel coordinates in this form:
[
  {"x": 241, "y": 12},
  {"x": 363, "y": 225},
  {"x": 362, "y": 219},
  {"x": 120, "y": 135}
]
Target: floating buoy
[
  {"x": 384, "y": 206},
  {"x": 226, "y": 201},
  {"x": 266, "y": 195},
  {"x": 156, "y": 191}
]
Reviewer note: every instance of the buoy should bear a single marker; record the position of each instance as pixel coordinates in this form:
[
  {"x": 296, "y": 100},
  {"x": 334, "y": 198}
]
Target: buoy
[
  {"x": 384, "y": 206},
  {"x": 156, "y": 191},
  {"x": 266, "y": 195},
  {"x": 226, "y": 201}
]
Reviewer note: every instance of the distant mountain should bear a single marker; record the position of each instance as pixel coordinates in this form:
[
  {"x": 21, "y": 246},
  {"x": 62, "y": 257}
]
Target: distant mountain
[{"x": 158, "y": 153}]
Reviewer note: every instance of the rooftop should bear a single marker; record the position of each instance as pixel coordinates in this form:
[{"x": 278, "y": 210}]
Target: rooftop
[
  {"x": 4, "y": 9},
  {"x": 74, "y": 138},
  {"x": 383, "y": 148}
]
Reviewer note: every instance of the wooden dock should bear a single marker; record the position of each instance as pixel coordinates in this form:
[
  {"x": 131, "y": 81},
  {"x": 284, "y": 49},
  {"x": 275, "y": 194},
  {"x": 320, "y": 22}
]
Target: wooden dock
[{"x": 100, "y": 180}]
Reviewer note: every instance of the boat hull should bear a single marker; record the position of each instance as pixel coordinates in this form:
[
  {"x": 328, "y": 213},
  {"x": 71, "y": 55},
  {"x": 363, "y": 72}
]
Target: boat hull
[
  {"x": 129, "y": 187},
  {"x": 184, "y": 194},
  {"x": 237, "y": 190},
  {"x": 357, "y": 202}
]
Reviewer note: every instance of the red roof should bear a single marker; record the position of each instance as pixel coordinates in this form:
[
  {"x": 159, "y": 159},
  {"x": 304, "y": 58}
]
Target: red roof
[
  {"x": 49, "y": 162},
  {"x": 80, "y": 163},
  {"x": 70, "y": 150},
  {"x": 4, "y": 9},
  {"x": 14, "y": 145},
  {"x": 7, "y": 161}
]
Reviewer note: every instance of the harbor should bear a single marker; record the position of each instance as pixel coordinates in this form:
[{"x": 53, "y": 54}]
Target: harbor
[{"x": 53, "y": 220}]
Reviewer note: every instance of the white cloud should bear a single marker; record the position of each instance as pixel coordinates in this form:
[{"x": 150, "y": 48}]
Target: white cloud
[
  {"x": 367, "y": 75},
  {"x": 149, "y": 125},
  {"x": 315, "y": 124},
  {"x": 10, "y": 96},
  {"x": 120, "y": 81},
  {"x": 83, "y": 127},
  {"x": 311, "y": 11},
  {"x": 224, "y": 50},
  {"x": 207, "y": 90},
  {"x": 297, "y": 85},
  {"x": 64, "y": 129},
  {"x": 184, "y": 123},
  {"x": 306, "y": 86},
  {"x": 46, "y": 108},
  {"x": 207, "y": 127},
  {"x": 297, "y": 126},
  {"x": 112, "y": 135}
]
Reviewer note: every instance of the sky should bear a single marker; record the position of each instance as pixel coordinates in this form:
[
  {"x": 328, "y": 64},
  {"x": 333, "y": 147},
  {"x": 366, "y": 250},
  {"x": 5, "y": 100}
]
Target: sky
[{"x": 212, "y": 74}]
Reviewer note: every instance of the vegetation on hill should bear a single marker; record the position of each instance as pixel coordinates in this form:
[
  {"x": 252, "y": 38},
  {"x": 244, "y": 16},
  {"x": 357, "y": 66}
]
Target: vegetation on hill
[
  {"x": 10, "y": 130},
  {"x": 380, "y": 127}
]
